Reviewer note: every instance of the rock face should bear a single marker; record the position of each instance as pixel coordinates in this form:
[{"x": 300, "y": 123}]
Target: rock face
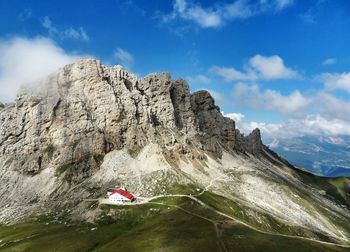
[
  {"x": 89, "y": 127},
  {"x": 85, "y": 110}
]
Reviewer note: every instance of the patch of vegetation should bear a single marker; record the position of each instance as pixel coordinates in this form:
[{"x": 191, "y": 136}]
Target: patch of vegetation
[
  {"x": 93, "y": 189},
  {"x": 150, "y": 227},
  {"x": 135, "y": 151},
  {"x": 141, "y": 229},
  {"x": 49, "y": 150},
  {"x": 171, "y": 200},
  {"x": 93, "y": 204},
  {"x": 331, "y": 186},
  {"x": 255, "y": 218},
  {"x": 189, "y": 189},
  {"x": 243, "y": 239},
  {"x": 343, "y": 186}
]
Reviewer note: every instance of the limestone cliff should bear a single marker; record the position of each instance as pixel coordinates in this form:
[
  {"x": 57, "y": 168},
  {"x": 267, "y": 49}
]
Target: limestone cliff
[
  {"x": 89, "y": 127},
  {"x": 86, "y": 110}
]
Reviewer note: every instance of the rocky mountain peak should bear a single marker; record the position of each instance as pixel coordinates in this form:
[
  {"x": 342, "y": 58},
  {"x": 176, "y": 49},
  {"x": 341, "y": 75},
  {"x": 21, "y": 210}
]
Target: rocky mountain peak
[
  {"x": 90, "y": 127},
  {"x": 87, "y": 109}
]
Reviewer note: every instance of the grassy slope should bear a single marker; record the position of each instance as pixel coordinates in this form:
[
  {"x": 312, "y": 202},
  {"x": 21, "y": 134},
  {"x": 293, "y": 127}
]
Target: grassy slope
[
  {"x": 148, "y": 228},
  {"x": 127, "y": 229},
  {"x": 336, "y": 189},
  {"x": 255, "y": 218},
  {"x": 239, "y": 238},
  {"x": 343, "y": 187}
]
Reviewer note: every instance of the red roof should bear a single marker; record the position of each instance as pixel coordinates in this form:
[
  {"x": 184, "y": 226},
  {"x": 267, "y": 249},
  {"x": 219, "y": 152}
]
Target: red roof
[{"x": 123, "y": 193}]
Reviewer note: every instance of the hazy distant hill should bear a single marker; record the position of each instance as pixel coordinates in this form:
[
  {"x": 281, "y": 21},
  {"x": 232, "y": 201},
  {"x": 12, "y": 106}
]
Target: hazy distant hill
[{"x": 327, "y": 156}]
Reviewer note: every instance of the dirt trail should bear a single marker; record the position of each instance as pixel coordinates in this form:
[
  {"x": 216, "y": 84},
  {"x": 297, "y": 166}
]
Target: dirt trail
[{"x": 193, "y": 197}]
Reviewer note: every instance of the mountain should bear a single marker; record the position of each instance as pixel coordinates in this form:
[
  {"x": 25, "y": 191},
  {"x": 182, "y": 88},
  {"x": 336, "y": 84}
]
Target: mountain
[
  {"x": 87, "y": 128},
  {"x": 326, "y": 156}
]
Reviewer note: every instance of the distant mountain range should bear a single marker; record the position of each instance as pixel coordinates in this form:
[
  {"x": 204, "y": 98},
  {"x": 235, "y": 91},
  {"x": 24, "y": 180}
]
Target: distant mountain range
[{"x": 326, "y": 156}]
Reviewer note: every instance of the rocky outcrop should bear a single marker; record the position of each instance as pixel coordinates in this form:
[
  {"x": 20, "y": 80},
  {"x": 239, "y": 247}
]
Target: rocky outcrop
[
  {"x": 215, "y": 130},
  {"x": 253, "y": 142},
  {"x": 85, "y": 110}
]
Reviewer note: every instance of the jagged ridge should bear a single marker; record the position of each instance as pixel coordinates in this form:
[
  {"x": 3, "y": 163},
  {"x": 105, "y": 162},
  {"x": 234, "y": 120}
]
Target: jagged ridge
[
  {"x": 88, "y": 126},
  {"x": 97, "y": 109}
]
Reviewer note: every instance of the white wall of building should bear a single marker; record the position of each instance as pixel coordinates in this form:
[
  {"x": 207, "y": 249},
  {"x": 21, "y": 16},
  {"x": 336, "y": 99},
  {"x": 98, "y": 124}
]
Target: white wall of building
[{"x": 116, "y": 197}]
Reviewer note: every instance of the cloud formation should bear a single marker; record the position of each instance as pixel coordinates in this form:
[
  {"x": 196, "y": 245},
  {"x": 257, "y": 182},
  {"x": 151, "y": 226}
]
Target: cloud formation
[
  {"x": 258, "y": 67},
  {"x": 69, "y": 33},
  {"x": 336, "y": 81},
  {"x": 270, "y": 68},
  {"x": 331, "y": 106},
  {"x": 310, "y": 125},
  {"x": 27, "y": 60},
  {"x": 321, "y": 113},
  {"x": 230, "y": 74},
  {"x": 329, "y": 61},
  {"x": 218, "y": 97},
  {"x": 124, "y": 57},
  {"x": 200, "y": 78},
  {"x": 220, "y": 13},
  {"x": 294, "y": 104},
  {"x": 237, "y": 117}
]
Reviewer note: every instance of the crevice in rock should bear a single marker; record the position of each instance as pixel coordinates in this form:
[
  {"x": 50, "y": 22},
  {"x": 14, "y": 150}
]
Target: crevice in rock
[
  {"x": 39, "y": 162},
  {"x": 54, "y": 113},
  {"x": 154, "y": 120},
  {"x": 54, "y": 110},
  {"x": 142, "y": 92},
  {"x": 177, "y": 114},
  {"x": 128, "y": 84}
]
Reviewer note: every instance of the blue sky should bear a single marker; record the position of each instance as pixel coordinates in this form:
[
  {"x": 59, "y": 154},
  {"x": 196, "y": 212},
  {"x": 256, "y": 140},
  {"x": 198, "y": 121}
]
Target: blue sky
[{"x": 281, "y": 65}]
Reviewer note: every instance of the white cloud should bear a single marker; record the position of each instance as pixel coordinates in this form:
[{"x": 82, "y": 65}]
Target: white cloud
[
  {"x": 310, "y": 125},
  {"x": 219, "y": 13},
  {"x": 258, "y": 67},
  {"x": 238, "y": 9},
  {"x": 294, "y": 104},
  {"x": 270, "y": 68},
  {"x": 282, "y": 4},
  {"x": 329, "y": 61},
  {"x": 218, "y": 97},
  {"x": 332, "y": 107},
  {"x": 69, "y": 33},
  {"x": 200, "y": 78},
  {"x": 336, "y": 81},
  {"x": 231, "y": 74},
  {"x": 47, "y": 24},
  {"x": 323, "y": 114},
  {"x": 24, "y": 61},
  {"x": 205, "y": 18},
  {"x": 78, "y": 34},
  {"x": 237, "y": 117},
  {"x": 124, "y": 57}
]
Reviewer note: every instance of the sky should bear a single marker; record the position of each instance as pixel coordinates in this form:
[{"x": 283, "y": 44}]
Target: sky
[{"x": 280, "y": 65}]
